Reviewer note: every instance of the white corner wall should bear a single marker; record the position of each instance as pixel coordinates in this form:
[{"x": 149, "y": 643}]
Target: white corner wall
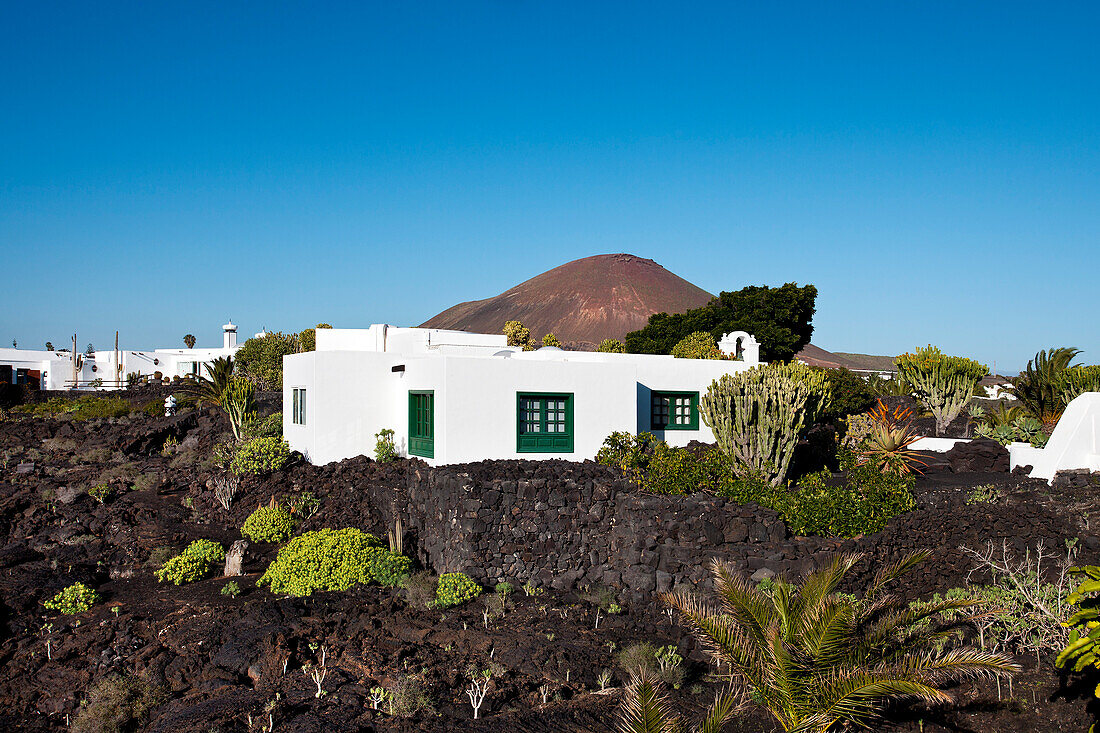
[{"x": 1074, "y": 444}]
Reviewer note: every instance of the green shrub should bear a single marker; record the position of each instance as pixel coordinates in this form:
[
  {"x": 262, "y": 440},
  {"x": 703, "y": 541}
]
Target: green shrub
[
  {"x": 454, "y": 589},
  {"x": 333, "y": 559},
  {"x": 231, "y": 589},
  {"x": 384, "y": 449},
  {"x": 626, "y": 451},
  {"x": 101, "y": 492},
  {"x": 76, "y": 598},
  {"x": 260, "y": 360},
  {"x": 1080, "y": 654},
  {"x": 194, "y": 563},
  {"x": 863, "y": 504},
  {"x": 266, "y": 427},
  {"x": 611, "y": 346},
  {"x": 268, "y": 524},
  {"x": 85, "y": 407},
  {"x": 697, "y": 345},
  {"x": 849, "y": 394},
  {"x": 261, "y": 455}
]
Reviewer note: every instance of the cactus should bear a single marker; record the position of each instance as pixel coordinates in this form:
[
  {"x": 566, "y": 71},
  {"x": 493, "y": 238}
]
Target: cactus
[
  {"x": 1077, "y": 380},
  {"x": 78, "y": 363},
  {"x": 944, "y": 384},
  {"x": 397, "y": 537},
  {"x": 757, "y": 415},
  {"x": 237, "y": 403}
]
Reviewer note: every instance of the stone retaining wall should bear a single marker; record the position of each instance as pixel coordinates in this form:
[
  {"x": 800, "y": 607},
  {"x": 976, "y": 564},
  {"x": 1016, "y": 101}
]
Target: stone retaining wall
[{"x": 563, "y": 525}]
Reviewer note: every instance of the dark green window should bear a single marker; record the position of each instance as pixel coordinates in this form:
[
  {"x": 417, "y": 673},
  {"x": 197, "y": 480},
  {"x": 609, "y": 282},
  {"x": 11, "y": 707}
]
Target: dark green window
[
  {"x": 675, "y": 411},
  {"x": 422, "y": 424},
  {"x": 544, "y": 423}
]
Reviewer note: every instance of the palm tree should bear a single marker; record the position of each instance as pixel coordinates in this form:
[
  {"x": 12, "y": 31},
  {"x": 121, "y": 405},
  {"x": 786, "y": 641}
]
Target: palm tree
[
  {"x": 1038, "y": 387},
  {"x": 212, "y": 387},
  {"x": 816, "y": 658},
  {"x": 189, "y": 341}
]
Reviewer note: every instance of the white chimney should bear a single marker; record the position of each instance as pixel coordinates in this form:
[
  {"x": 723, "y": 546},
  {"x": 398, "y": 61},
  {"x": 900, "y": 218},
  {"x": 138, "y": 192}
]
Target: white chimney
[{"x": 229, "y": 336}]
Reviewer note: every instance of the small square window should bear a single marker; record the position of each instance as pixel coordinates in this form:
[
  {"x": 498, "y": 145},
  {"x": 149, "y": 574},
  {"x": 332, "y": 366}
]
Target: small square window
[{"x": 674, "y": 411}]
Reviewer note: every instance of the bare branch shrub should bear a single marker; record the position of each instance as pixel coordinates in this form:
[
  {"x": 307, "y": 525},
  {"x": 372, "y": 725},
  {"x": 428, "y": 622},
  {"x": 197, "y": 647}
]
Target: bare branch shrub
[{"x": 225, "y": 488}]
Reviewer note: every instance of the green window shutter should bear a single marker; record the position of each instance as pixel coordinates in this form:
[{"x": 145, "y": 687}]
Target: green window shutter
[
  {"x": 544, "y": 422},
  {"x": 674, "y": 411},
  {"x": 422, "y": 423}
]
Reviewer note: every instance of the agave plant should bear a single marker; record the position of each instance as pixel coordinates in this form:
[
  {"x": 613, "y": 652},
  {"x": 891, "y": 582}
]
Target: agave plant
[
  {"x": 975, "y": 413},
  {"x": 1027, "y": 428},
  {"x": 1003, "y": 434},
  {"x": 1039, "y": 388},
  {"x": 887, "y": 445},
  {"x": 817, "y": 659}
]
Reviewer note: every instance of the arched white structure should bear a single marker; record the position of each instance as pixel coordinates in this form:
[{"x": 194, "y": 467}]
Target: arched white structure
[{"x": 741, "y": 345}]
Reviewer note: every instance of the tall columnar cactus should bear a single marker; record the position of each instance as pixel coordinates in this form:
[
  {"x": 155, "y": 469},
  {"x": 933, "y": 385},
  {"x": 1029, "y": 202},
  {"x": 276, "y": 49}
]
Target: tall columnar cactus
[
  {"x": 757, "y": 415},
  {"x": 78, "y": 364},
  {"x": 944, "y": 384},
  {"x": 1075, "y": 381},
  {"x": 237, "y": 403}
]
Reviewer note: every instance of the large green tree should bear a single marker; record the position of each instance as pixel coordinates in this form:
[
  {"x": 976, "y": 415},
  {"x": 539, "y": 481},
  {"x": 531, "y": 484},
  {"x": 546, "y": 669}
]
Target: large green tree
[{"x": 780, "y": 318}]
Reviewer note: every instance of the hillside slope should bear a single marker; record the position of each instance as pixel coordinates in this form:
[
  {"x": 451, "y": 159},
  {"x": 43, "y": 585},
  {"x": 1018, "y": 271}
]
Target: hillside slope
[{"x": 582, "y": 302}]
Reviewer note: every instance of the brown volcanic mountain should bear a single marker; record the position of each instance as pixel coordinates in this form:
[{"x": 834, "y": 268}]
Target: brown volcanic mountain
[{"x": 582, "y": 302}]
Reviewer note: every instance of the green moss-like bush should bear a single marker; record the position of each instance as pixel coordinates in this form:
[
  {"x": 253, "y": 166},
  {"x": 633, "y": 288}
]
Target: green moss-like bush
[
  {"x": 863, "y": 504},
  {"x": 192, "y": 564},
  {"x": 85, "y": 407},
  {"x": 76, "y": 598},
  {"x": 454, "y": 589},
  {"x": 268, "y": 524},
  {"x": 261, "y": 455},
  {"x": 333, "y": 559},
  {"x": 265, "y": 427},
  {"x": 860, "y": 504}
]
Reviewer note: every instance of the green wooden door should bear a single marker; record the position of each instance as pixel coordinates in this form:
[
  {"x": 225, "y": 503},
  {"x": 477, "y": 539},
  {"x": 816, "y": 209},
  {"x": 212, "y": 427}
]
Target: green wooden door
[{"x": 422, "y": 423}]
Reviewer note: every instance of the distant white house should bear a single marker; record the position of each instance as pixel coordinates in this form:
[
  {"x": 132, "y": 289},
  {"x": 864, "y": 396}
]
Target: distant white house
[
  {"x": 454, "y": 397},
  {"x": 100, "y": 370}
]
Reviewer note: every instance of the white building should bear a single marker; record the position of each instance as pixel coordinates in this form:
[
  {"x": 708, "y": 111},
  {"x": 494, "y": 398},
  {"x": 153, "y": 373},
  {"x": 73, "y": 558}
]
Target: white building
[
  {"x": 100, "y": 370},
  {"x": 455, "y": 397}
]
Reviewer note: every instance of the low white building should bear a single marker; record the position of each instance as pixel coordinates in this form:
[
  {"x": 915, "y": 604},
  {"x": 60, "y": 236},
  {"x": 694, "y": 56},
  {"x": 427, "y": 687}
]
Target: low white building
[
  {"x": 101, "y": 369},
  {"x": 455, "y": 397}
]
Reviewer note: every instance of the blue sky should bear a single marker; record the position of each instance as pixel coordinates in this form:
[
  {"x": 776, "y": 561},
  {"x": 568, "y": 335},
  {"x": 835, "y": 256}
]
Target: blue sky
[{"x": 934, "y": 168}]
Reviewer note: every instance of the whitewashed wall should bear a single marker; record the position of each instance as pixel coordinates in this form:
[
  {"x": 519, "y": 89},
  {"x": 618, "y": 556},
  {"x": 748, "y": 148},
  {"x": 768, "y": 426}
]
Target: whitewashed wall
[{"x": 351, "y": 395}]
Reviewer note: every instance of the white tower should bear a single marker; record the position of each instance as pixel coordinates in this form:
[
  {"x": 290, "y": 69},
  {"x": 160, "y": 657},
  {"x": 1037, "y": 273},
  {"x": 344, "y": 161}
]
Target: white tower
[{"x": 229, "y": 336}]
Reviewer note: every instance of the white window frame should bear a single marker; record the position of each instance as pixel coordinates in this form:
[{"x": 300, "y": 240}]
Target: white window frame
[{"x": 299, "y": 403}]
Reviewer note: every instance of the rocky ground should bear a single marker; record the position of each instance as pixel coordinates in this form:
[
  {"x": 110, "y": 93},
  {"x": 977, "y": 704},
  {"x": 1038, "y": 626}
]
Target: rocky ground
[{"x": 193, "y": 659}]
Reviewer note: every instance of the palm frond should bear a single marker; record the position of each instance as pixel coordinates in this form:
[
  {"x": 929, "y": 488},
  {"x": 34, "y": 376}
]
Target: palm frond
[
  {"x": 721, "y": 710},
  {"x": 935, "y": 668},
  {"x": 893, "y": 572},
  {"x": 644, "y": 709},
  {"x": 740, "y": 599}
]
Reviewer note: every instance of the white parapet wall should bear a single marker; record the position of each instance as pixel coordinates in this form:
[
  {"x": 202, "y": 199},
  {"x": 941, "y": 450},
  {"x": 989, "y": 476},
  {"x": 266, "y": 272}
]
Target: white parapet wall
[
  {"x": 938, "y": 445},
  {"x": 1074, "y": 444}
]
